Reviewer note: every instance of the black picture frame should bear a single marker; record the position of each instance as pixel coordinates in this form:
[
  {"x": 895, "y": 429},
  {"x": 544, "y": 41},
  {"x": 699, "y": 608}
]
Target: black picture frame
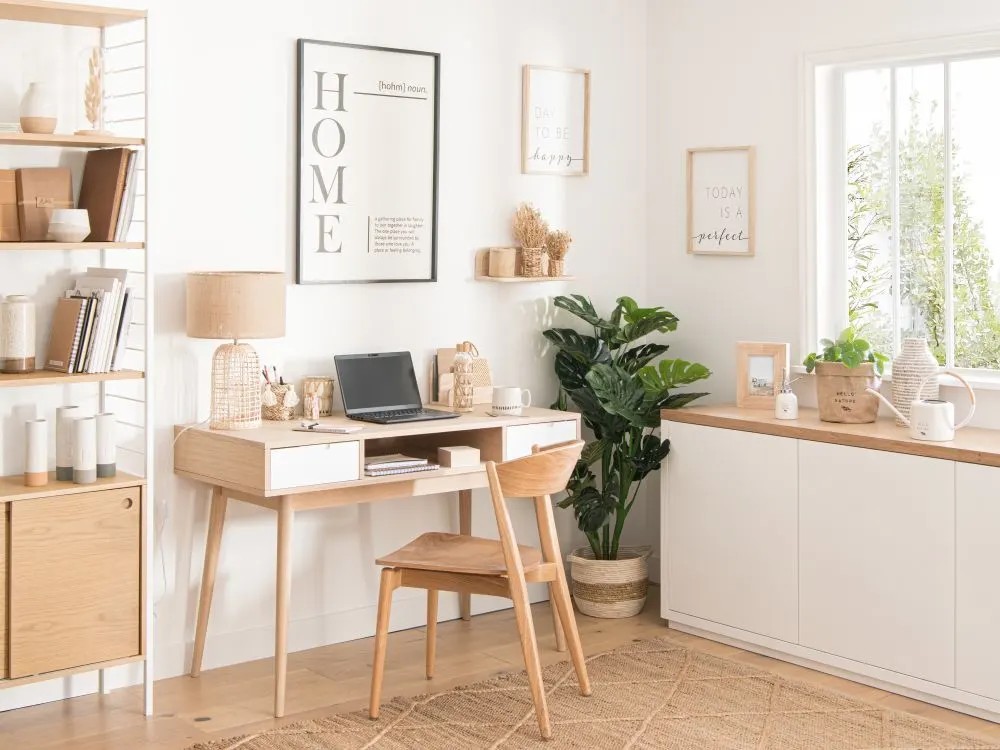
[{"x": 300, "y": 119}]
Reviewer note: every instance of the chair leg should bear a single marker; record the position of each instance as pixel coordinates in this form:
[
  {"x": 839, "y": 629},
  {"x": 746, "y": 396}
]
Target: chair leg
[
  {"x": 529, "y": 647},
  {"x": 432, "y": 624},
  {"x": 388, "y": 584},
  {"x": 564, "y": 606},
  {"x": 556, "y": 619}
]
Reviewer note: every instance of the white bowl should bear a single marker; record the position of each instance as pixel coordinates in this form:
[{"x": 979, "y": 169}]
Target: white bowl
[
  {"x": 68, "y": 232},
  {"x": 75, "y": 216}
]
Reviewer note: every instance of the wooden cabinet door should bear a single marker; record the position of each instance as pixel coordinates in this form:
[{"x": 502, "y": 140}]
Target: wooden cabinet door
[
  {"x": 977, "y": 601},
  {"x": 3, "y": 590},
  {"x": 877, "y": 558},
  {"x": 74, "y": 580},
  {"x": 730, "y": 528}
]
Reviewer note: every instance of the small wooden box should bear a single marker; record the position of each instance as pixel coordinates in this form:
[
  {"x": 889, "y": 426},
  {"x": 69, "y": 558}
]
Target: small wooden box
[
  {"x": 458, "y": 455},
  {"x": 9, "y": 231}
]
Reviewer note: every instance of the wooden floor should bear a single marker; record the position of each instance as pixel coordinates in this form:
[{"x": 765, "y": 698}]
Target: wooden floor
[{"x": 333, "y": 679}]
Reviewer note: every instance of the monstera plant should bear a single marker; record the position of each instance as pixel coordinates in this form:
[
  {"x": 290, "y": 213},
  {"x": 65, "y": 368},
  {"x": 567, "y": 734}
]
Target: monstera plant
[{"x": 613, "y": 378}]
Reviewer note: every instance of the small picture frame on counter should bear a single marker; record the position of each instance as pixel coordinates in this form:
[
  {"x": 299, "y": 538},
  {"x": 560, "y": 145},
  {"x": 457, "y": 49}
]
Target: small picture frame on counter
[{"x": 759, "y": 369}]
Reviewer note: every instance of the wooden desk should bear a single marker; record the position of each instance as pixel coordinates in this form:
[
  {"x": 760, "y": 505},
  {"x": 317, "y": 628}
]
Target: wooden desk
[{"x": 286, "y": 471}]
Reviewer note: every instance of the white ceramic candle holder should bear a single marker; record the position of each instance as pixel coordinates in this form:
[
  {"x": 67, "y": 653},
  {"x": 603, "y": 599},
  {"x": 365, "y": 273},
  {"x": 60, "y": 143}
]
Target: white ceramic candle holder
[
  {"x": 65, "y": 416},
  {"x": 106, "y": 448},
  {"x": 36, "y": 453},
  {"x": 85, "y": 450}
]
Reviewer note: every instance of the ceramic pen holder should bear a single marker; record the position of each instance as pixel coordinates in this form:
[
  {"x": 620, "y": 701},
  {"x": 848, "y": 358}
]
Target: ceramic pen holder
[{"x": 279, "y": 401}]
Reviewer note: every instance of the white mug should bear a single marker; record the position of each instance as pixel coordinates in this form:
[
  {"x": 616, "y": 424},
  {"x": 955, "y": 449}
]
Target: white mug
[{"x": 508, "y": 401}]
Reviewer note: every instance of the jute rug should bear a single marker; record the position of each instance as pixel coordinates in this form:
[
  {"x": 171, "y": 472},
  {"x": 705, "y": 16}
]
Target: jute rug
[{"x": 649, "y": 695}]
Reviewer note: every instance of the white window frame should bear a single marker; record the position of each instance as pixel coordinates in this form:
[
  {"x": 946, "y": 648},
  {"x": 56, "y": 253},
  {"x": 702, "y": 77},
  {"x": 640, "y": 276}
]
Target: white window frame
[{"x": 823, "y": 152}]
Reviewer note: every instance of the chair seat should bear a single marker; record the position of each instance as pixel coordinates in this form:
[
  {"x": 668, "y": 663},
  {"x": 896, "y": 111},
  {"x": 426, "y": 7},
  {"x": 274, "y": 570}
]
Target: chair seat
[{"x": 454, "y": 553}]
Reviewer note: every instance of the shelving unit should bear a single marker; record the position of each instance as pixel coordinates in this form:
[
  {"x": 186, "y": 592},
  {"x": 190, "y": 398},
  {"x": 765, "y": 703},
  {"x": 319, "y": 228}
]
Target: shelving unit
[
  {"x": 482, "y": 273},
  {"x": 111, "y": 520}
]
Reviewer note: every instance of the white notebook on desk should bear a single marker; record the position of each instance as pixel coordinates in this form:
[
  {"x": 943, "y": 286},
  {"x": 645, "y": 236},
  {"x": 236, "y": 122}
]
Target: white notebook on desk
[{"x": 382, "y": 471}]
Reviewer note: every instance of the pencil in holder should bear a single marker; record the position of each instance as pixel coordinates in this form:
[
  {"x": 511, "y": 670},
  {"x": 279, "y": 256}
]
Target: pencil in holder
[{"x": 279, "y": 401}]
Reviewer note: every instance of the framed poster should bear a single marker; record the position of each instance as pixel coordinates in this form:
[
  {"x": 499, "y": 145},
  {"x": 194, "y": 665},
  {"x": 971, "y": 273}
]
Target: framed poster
[
  {"x": 555, "y": 124},
  {"x": 367, "y": 178},
  {"x": 720, "y": 200}
]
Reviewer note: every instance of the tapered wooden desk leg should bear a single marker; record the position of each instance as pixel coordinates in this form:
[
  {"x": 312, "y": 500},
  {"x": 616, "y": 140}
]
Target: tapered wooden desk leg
[
  {"x": 465, "y": 527},
  {"x": 216, "y": 520},
  {"x": 282, "y": 594}
]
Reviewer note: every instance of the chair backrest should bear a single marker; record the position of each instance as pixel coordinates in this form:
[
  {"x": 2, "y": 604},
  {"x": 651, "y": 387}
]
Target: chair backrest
[{"x": 543, "y": 473}]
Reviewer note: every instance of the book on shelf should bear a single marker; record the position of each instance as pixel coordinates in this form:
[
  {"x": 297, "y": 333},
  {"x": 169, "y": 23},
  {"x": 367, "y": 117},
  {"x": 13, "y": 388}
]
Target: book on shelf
[
  {"x": 394, "y": 461},
  {"x": 383, "y": 471},
  {"x": 66, "y": 335},
  {"x": 101, "y": 189},
  {"x": 127, "y": 205}
]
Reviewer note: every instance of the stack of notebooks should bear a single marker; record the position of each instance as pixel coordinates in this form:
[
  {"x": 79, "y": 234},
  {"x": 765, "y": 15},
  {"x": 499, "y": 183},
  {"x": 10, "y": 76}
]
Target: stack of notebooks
[
  {"x": 396, "y": 463},
  {"x": 108, "y": 192},
  {"x": 91, "y": 323}
]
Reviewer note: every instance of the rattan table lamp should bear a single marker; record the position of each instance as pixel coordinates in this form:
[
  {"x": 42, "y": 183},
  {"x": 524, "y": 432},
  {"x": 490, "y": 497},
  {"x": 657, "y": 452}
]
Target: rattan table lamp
[{"x": 236, "y": 305}]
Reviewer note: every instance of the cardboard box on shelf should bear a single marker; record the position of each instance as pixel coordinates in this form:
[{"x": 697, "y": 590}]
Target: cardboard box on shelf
[
  {"x": 39, "y": 191},
  {"x": 9, "y": 231}
]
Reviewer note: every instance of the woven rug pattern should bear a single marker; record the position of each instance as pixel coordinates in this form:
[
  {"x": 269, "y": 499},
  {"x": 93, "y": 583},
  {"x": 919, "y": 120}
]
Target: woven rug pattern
[{"x": 648, "y": 695}]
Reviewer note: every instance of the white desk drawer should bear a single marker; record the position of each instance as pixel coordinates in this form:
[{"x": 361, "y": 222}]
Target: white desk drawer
[
  {"x": 520, "y": 438},
  {"x": 307, "y": 465}
]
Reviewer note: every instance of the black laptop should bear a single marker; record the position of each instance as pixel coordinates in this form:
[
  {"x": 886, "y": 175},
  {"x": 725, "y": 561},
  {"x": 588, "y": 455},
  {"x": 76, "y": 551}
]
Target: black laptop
[{"x": 382, "y": 388}]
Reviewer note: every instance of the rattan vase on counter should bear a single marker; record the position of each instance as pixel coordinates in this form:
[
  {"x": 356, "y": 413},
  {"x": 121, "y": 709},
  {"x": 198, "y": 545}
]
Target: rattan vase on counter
[
  {"x": 914, "y": 363},
  {"x": 610, "y": 588}
]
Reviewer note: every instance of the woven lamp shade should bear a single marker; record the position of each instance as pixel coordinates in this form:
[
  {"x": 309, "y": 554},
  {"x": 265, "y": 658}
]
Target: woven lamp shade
[{"x": 235, "y": 305}]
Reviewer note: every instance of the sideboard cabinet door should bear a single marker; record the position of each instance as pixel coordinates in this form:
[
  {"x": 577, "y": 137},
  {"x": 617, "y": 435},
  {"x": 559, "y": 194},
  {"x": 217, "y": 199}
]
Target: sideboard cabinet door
[
  {"x": 3, "y": 590},
  {"x": 977, "y": 648},
  {"x": 877, "y": 558},
  {"x": 74, "y": 580},
  {"x": 730, "y": 526}
]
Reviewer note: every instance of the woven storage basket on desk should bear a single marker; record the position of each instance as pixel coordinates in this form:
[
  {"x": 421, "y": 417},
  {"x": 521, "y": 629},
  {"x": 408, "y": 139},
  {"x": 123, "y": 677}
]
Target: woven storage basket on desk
[
  {"x": 610, "y": 588},
  {"x": 278, "y": 412}
]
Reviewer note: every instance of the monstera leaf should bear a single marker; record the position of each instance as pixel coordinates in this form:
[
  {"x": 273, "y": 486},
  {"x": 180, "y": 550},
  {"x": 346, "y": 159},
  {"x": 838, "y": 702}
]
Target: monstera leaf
[
  {"x": 671, "y": 373},
  {"x": 583, "y": 308},
  {"x": 638, "y": 357},
  {"x": 642, "y": 321},
  {"x": 650, "y": 455},
  {"x": 620, "y": 393},
  {"x": 585, "y": 349}
]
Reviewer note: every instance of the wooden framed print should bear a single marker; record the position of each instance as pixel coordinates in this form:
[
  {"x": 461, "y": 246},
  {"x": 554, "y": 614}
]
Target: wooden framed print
[
  {"x": 720, "y": 200},
  {"x": 759, "y": 367},
  {"x": 367, "y": 181},
  {"x": 555, "y": 124}
]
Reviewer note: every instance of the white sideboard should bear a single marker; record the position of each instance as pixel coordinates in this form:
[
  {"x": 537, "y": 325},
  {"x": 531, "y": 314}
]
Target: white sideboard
[{"x": 851, "y": 549}]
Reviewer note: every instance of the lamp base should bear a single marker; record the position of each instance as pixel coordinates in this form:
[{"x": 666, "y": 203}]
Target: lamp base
[{"x": 235, "y": 388}]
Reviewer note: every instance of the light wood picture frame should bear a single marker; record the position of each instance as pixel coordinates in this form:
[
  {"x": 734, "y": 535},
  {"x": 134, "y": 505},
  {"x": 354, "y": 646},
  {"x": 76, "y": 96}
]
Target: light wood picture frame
[
  {"x": 759, "y": 368},
  {"x": 721, "y": 201},
  {"x": 555, "y": 121}
]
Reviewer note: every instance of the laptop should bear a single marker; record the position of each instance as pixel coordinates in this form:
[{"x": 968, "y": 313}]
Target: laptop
[{"x": 382, "y": 388}]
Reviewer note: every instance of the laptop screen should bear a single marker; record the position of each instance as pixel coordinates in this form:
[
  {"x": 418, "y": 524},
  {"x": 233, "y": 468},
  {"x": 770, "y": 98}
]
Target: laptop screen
[{"x": 377, "y": 382}]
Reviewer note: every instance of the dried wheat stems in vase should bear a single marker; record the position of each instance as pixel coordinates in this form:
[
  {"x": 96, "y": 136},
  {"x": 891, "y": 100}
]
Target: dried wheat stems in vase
[
  {"x": 93, "y": 94},
  {"x": 557, "y": 244},
  {"x": 530, "y": 231}
]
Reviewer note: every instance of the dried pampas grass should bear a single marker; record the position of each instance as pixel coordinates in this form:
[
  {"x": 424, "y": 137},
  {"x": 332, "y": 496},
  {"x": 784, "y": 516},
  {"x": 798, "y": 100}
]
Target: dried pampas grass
[
  {"x": 557, "y": 243},
  {"x": 530, "y": 229}
]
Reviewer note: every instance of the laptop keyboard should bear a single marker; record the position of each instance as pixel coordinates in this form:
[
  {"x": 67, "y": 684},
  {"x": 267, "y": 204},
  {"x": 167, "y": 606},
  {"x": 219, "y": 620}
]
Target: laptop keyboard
[{"x": 395, "y": 414}]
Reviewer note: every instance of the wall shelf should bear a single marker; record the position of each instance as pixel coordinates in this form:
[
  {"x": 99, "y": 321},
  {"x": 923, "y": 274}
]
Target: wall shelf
[
  {"x": 9, "y": 246},
  {"x": 68, "y": 140},
  {"x": 49, "y": 377},
  {"x": 66, "y": 14},
  {"x": 482, "y": 273}
]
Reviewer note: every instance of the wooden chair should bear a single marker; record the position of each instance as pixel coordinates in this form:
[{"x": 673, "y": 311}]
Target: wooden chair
[{"x": 467, "y": 564}]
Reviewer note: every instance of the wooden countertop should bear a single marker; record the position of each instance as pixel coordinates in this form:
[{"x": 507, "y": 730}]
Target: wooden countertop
[{"x": 971, "y": 445}]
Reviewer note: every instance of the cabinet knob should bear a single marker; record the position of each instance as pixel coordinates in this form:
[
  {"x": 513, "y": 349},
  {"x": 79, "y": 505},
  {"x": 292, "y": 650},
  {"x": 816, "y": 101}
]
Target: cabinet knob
[{"x": 127, "y": 503}]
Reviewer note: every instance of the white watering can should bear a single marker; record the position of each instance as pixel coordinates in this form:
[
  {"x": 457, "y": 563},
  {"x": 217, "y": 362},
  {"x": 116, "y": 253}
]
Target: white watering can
[{"x": 932, "y": 418}]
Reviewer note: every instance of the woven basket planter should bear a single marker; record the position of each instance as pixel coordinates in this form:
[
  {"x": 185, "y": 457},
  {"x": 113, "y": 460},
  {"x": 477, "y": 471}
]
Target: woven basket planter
[
  {"x": 279, "y": 412},
  {"x": 531, "y": 261},
  {"x": 610, "y": 588}
]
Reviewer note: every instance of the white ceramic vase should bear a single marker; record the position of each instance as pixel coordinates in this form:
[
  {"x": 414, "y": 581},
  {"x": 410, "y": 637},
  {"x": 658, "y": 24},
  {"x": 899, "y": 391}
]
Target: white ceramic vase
[
  {"x": 65, "y": 417},
  {"x": 38, "y": 109},
  {"x": 36, "y": 453},
  {"x": 85, "y": 450},
  {"x": 17, "y": 334},
  {"x": 914, "y": 363},
  {"x": 106, "y": 451}
]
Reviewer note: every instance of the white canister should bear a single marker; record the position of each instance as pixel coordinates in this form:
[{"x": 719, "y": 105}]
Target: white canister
[
  {"x": 65, "y": 417},
  {"x": 38, "y": 109},
  {"x": 85, "y": 450},
  {"x": 106, "y": 450},
  {"x": 36, "y": 453},
  {"x": 17, "y": 334}
]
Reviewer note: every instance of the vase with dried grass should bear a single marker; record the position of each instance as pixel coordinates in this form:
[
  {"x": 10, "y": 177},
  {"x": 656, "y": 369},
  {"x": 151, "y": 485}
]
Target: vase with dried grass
[
  {"x": 557, "y": 244},
  {"x": 530, "y": 231}
]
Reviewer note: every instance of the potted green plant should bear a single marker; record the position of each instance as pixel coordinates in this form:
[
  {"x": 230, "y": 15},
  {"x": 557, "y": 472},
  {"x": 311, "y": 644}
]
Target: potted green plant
[
  {"x": 844, "y": 369},
  {"x": 612, "y": 380}
]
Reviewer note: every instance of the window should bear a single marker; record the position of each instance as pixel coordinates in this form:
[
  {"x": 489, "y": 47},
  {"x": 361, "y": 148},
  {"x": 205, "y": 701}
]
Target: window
[{"x": 907, "y": 190}]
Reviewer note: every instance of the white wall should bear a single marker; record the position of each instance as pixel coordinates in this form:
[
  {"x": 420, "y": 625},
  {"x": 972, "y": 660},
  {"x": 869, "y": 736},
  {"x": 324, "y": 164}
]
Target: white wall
[
  {"x": 727, "y": 73},
  {"x": 221, "y": 155}
]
